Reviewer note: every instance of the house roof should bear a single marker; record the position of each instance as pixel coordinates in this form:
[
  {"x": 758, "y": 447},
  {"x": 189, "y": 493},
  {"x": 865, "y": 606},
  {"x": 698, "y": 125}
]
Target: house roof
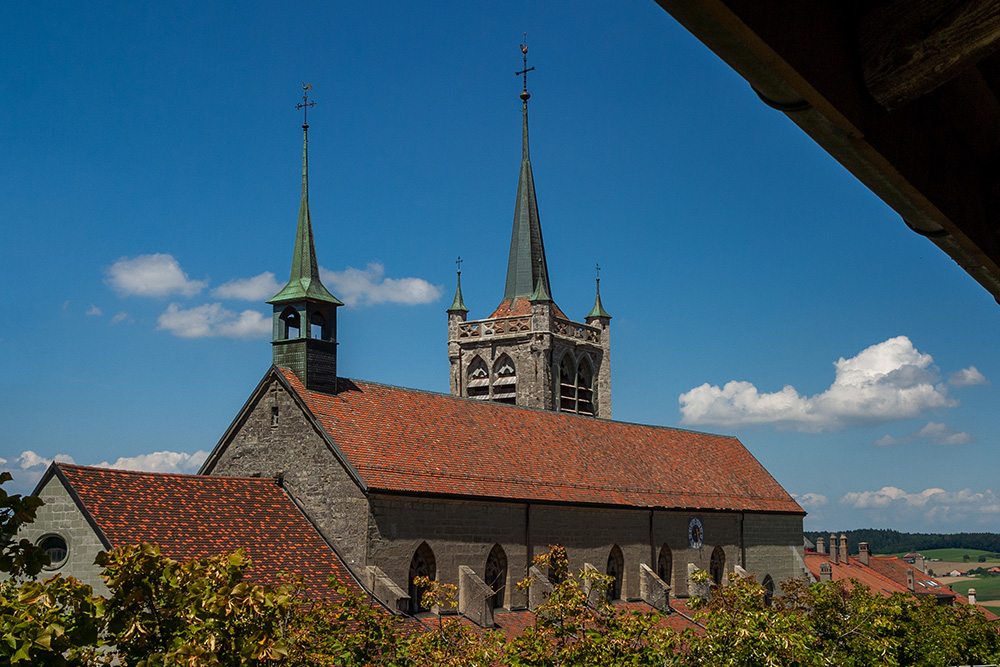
[
  {"x": 414, "y": 441},
  {"x": 195, "y": 516}
]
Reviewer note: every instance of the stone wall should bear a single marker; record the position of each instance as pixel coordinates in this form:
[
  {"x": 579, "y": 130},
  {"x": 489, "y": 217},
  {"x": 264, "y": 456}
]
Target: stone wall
[
  {"x": 61, "y": 516},
  {"x": 287, "y": 444},
  {"x": 774, "y": 546}
]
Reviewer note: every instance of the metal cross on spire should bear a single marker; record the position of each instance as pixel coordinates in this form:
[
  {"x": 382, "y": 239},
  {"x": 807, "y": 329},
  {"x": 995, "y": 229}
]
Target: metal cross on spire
[
  {"x": 305, "y": 104},
  {"x": 524, "y": 72},
  {"x": 598, "y": 267},
  {"x": 459, "y": 263}
]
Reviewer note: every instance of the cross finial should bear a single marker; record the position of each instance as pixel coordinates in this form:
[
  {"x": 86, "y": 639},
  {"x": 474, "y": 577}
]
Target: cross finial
[
  {"x": 598, "y": 267},
  {"x": 524, "y": 72},
  {"x": 459, "y": 262},
  {"x": 305, "y": 104}
]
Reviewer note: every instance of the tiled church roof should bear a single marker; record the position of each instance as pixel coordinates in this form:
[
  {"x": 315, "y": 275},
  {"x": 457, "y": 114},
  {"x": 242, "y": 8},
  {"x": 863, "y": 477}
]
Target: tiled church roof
[
  {"x": 520, "y": 306},
  {"x": 193, "y": 516},
  {"x": 416, "y": 441}
]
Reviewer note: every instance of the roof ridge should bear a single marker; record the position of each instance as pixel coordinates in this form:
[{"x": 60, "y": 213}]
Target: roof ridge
[{"x": 152, "y": 473}]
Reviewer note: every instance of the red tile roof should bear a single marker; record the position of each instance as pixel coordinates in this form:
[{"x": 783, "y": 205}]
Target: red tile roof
[
  {"x": 416, "y": 441},
  {"x": 521, "y": 306},
  {"x": 192, "y": 516}
]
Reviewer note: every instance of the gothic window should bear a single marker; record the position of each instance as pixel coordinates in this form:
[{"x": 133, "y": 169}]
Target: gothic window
[
  {"x": 290, "y": 324},
  {"x": 479, "y": 380},
  {"x": 505, "y": 381},
  {"x": 316, "y": 325},
  {"x": 717, "y": 566},
  {"x": 768, "y": 590},
  {"x": 616, "y": 566},
  {"x": 496, "y": 575},
  {"x": 585, "y": 387},
  {"x": 421, "y": 565},
  {"x": 567, "y": 384},
  {"x": 665, "y": 564}
]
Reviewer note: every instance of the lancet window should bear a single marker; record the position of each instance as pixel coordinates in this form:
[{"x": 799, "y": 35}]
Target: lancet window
[
  {"x": 665, "y": 564},
  {"x": 496, "y": 575},
  {"x": 504, "y": 381},
  {"x": 316, "y": 325},
  {"x": 616, "y": 566},
  {"x": 576, "y": 385},
  {"x": 291, "y": 324},
  {"x": 717, "y": 566},
  {"x": 421, "y": 565},
  {"x": 479, "y": 380}
]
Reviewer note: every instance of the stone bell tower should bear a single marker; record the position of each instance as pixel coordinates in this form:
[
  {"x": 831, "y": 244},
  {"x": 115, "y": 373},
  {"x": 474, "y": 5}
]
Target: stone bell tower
[
  {"x": 527, "y": 352},
  {"x": 304, "y": 337}
]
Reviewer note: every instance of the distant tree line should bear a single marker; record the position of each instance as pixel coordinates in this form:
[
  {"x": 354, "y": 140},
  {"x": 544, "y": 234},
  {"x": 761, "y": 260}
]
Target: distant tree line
[{"x": 886, "y": 541}]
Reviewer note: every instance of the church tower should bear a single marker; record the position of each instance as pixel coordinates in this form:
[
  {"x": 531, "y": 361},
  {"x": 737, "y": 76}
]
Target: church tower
[
  {"x": 528, "y": 352},
  {"x": 304, "y": 337}
]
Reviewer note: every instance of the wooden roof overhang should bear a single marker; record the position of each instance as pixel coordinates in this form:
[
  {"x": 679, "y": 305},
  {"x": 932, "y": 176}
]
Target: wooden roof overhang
[{"x": 903, "y": 93}]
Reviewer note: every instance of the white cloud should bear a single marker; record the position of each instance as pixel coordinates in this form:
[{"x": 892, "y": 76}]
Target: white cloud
[
  {"x": 29, "y": 459},
  {"x": 935, "y": 432},
  {"x": 967, "y": 377},
  {"x": 212, "y": 320},
  {"x": 356, "y": 287},
  {"x": 934, "y": 505},
  {"x": 93, "y": 310},
  {"x": 810, "y": 500},
  {"x": 259, "y": 288},
  {"x": 151, "y": 275},
  {"x": 176, "y": 462},
  {"x": 121, "y": 317},
  {"x": 885, "y": 382}
]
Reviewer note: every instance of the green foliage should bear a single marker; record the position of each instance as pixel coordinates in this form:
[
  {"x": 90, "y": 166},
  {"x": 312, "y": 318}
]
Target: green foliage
[
  {"x": 884, "y": 541},
  {"x": 18, "y": 558}
]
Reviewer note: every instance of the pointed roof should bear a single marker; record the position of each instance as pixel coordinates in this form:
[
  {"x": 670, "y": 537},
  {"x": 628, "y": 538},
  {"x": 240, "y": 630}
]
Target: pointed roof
[
  {"x": 526, "y": 265},
  {"x": 598, "y": 309},
  {"x": 304, "y": 282},
  {"x": 458, "y": 305}
]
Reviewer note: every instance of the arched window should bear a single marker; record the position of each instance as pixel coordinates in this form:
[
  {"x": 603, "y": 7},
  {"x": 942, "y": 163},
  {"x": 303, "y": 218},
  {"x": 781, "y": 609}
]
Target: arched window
[
  {"x": 585, "y": 387},
  {"x": 567, "y": 383},
  {"x": 496, "y": 575},
  {"x": 505, "y": 381},
  {"x": 717, "y": 565},
  {"x": 768, "y": 585},
  {"x": 616, "y": 566},
  {"x": 316, "y": 326},
  {"x": 421, "y": 565},
  {"x": 665, "y": 564},
  {"x": 290, "y": 324},
  {"x": 55, "y": 548},
  {"x": 478, "y": 385}
]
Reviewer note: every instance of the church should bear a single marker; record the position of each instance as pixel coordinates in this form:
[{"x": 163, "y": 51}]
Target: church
[{"x": 467, "y": 487}]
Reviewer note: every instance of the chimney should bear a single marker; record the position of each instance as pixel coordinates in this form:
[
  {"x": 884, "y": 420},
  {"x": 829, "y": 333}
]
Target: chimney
[
  {"x": 825, "y": 572},
  {"x": 972, "y": 596},
  {"x": 843, "y": 549},
  {"x": 863, "y": 553},
  {"x": 919, "y": 563},
  {"x": 833, "y": 548},
  {"x": 820, "y": 546},
  {"x": 909, "y": 580}
]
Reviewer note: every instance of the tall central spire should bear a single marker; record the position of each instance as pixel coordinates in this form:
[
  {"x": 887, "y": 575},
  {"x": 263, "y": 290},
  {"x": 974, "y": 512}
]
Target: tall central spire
[
  {"x": 526, "y": 266},
  {"x": 304, "y": 281}
]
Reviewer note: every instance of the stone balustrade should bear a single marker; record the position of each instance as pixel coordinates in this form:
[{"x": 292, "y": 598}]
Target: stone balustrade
[{"x": 509, "y": 326}]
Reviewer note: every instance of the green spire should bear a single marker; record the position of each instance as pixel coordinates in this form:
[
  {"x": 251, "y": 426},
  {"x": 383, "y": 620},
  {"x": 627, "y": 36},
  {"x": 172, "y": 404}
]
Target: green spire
[
  {"x": 458, "y": 305},
  {"x": 304, "y": 282},
  {"x": 598, "y": 309},
  {"x": 526, "y": 265}
]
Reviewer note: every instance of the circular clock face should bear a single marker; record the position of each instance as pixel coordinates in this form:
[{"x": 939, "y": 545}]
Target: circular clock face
[{"x": 696, "y": 534}]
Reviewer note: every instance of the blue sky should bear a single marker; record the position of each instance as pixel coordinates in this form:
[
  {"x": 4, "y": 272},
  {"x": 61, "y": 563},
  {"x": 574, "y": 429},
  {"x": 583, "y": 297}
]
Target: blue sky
[{"x": 151, "y": 181}]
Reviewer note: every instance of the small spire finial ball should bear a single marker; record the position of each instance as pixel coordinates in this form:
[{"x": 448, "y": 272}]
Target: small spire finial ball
[{"x": 525, "y": 95}]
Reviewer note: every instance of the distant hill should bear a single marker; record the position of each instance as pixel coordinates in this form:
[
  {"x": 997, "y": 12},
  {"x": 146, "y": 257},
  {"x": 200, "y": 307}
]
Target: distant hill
[{"x": 885, "y": 541}]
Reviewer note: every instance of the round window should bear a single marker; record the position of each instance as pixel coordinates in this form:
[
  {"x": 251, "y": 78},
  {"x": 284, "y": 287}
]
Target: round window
[{"x": 55, "y": 548}]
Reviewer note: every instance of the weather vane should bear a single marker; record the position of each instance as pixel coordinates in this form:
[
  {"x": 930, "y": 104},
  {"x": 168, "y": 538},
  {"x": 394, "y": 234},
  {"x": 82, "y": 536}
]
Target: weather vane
[
  {"x": 459, "y": 262},
  {"x": 305, "y": 104},
  {"x": 524, "y": 72}
]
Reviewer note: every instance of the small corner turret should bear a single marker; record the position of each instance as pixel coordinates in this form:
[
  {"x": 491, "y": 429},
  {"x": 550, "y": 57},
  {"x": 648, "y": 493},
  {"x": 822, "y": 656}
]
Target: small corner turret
[
  {"x": 304, "y": 333},
  {"x": 528, "y": 352}
]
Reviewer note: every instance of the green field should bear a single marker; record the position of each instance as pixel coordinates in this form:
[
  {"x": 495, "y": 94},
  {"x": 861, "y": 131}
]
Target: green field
[
  {"x": 955, "y": 555},
  {"x": 987, "y": 588}
]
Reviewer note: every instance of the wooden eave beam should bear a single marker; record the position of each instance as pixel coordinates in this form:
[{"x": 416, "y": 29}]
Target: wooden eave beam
[{"x": 802, "y": 58}]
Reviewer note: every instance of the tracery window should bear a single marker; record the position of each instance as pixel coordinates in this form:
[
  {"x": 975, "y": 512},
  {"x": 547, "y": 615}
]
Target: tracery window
[
  {"x": 567, "y": 383},
  {"x": 421, "y": 565},
  {"x": 717, "y": 565},
  {"x": 576, "y": 385},
  {"x": 585, "y": 387},
  {"x": 478, "y": 385},
  {"x": 316, "y": 325},
  {"x": 290, "y": 324},
  {"x": 496, "y": 575},
  {"x": 665, "y": 564},
  {"x": 505, "y": 381},
  {"x": 616, "y": 566}
]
